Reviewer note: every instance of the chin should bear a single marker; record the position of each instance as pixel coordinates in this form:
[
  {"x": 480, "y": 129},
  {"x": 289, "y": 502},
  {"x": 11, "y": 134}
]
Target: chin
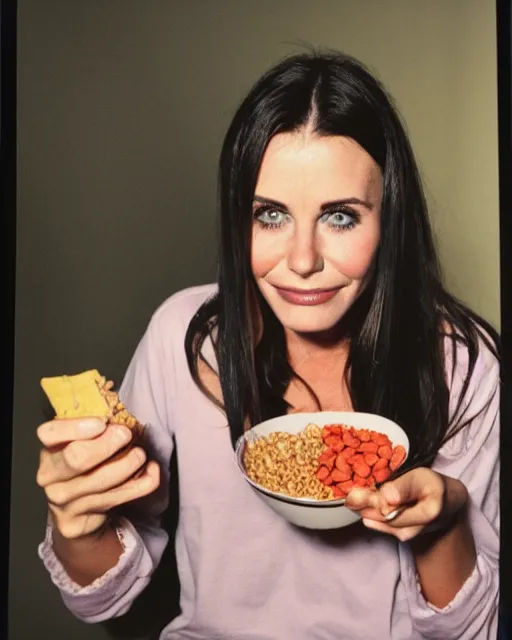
[{"x": 312, "y": 320}]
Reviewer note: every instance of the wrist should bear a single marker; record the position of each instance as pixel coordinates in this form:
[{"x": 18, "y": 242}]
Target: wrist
[
  {"x": 453, "y": 514},
  {"x": 456, "y": 494},
  {"x": 87, "y": 558},
  {"x": 70, "y": 546},
  {"x": 446, "y": 526}
]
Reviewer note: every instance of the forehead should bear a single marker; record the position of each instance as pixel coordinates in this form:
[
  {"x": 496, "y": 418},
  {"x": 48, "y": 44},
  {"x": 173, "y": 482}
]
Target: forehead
[{"x": 330, "y": 167}]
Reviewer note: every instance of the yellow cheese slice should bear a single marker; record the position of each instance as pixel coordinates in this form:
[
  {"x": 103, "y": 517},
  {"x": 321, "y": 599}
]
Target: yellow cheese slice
[{"x": 76, "y": 396}]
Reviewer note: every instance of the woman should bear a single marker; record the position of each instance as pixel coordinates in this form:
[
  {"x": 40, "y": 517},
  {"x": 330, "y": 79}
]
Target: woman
[{"x": 329, "y": 297}]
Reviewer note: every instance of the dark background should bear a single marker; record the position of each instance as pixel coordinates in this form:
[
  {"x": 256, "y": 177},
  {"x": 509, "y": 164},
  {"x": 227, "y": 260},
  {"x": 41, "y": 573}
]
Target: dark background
[{"x": 121, "y": 111}]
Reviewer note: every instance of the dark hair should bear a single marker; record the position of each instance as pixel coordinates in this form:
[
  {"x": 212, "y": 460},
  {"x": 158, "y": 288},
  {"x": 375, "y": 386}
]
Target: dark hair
[{"x": 397, "y": 326}]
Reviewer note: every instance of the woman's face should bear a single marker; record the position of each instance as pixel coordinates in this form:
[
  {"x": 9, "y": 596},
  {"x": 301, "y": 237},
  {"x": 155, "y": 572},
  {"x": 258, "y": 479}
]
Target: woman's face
[{"x": 316, "y": 227}]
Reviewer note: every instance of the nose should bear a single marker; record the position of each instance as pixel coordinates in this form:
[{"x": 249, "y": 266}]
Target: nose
[{"x": 304, "y": 257}]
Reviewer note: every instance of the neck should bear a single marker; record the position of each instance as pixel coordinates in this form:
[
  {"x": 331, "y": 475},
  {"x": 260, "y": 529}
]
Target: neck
[{"x": 308, "y": 346}]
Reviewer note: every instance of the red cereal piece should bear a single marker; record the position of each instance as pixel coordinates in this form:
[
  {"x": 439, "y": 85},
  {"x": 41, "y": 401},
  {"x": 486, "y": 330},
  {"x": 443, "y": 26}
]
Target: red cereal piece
[
  {"x": 385, "y": 451},
  {"x": 398, "y": 457},
  {"x": 363, "y": 435},
  {"x": 332, "y": 430},
  {"x": 350, "y": 441},
  {"x": 328, "y": 480},
  {"x": 368, "y": 447},
  {"x": 341, "y": 476},
  {"x": 322, "y": 473},
  {"x": 347, "y": 486},
  {"x": 342, "y": 465},
  {"x": 381, "y": 463},
  {"x": 347, "y": 453},
  {"x": 327, "y": 458},
  {"x": 359, "y": 481},
  {"x": 338, "y": 447},
  {"x": 325, "y": 455},
  {"x": 381, "y": 475},
  {"x": 338, "y": 493},
  {"x": 380, "y": 439},
  {"x": 333, "y": 441},
  {"x": 362, "y": 469},
  {"x": 357, "y": 457},
  {"x": 371, "y": 458}
]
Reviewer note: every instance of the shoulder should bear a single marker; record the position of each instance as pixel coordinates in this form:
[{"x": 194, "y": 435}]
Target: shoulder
[
  {"x": 473, "y": 376},
  {"x": 458, "y": 356},
  {"x": 175, "y": 313}
]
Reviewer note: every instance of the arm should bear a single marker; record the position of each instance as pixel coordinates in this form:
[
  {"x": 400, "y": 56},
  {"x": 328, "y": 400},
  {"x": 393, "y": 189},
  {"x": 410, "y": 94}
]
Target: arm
[
  {"x": 452, "y": 548},
  {"x": 99, "y": 577},
  {"x": 451, "y": 578}
]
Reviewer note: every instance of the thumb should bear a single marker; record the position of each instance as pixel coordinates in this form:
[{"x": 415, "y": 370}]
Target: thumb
[{"x": 409, "y": 488}]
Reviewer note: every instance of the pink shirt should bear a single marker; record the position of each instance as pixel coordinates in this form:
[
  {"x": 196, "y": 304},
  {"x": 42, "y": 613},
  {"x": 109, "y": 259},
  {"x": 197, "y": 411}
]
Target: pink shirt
[{"x": 247, "y": 574}]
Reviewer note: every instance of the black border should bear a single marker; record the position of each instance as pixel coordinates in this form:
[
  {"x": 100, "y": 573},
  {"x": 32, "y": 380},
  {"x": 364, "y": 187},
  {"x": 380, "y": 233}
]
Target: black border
[
  {"x": 504, "y": 51},
  {"x": 8, "y": 78}
]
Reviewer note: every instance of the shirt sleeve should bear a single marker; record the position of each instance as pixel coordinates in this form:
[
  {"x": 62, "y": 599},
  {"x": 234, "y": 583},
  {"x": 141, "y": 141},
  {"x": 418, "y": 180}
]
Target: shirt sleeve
[
  {"x": 144, "y": 393},
  {"x": 472, "y": 456}
]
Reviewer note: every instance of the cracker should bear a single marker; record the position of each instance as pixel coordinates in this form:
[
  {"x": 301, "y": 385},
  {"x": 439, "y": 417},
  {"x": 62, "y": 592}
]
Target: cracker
[{"x": 89, "y": 394}]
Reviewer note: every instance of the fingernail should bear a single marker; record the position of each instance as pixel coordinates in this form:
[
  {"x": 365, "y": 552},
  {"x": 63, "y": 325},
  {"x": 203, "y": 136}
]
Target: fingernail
[
  {"x": 392, "y": 515},
  {"x": 91, "y": 427}
]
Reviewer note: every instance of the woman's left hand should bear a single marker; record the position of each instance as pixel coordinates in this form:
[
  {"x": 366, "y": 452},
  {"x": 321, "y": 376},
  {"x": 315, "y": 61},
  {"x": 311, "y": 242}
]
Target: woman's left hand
[{"x": 426, "y": 501}]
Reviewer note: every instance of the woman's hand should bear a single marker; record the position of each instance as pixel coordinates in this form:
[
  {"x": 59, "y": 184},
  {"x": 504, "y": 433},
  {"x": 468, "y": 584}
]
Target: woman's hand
[
  {"x": 425, "y": 500},
  {"x": 82, "y": 476}
]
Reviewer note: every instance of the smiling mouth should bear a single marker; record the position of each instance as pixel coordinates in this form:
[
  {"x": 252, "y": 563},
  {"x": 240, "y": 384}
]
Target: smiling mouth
[{"x": 307, "y": 298}]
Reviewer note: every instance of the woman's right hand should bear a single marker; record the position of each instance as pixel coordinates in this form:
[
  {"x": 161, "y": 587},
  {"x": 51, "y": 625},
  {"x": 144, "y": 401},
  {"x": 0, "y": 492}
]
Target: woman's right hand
[{"x": 81, "y": 481}]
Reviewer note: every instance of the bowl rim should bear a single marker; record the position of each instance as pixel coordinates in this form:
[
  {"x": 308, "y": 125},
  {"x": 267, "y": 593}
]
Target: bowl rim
[{"x": 282, "y": 497}]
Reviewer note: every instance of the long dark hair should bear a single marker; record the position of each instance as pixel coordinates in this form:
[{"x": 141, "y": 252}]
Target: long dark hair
[{"x": 397, "y": 326}]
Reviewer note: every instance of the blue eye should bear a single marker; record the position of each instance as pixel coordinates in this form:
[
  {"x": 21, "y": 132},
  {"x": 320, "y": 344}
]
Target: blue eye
[
  {"x": 341, "y": 220},
  {"x": 271, "y": 218}
]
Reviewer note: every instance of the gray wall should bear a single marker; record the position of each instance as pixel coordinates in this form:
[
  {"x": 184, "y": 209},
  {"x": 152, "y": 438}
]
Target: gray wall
[{"x": 122, "y": 109}]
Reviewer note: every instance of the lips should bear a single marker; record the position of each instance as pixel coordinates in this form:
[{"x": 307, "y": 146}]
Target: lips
[{"x": 307, "y": 298}]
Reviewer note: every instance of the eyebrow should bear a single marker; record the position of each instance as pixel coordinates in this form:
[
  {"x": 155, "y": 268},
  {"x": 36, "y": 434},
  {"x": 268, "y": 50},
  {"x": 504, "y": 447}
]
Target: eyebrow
[{"x": 326, "y": 206}]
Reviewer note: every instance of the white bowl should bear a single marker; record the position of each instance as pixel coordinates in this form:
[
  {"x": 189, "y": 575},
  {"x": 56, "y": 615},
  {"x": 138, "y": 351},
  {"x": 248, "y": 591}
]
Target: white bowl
[{"x": 306, "y": 512}]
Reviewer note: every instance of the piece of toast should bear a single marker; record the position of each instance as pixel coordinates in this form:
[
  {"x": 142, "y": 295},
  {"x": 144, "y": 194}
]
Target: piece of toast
[{"x": 89, "y": 394}]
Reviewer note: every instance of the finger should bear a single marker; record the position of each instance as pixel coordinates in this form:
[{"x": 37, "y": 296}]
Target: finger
[
  {"x": 413, "y": 487},
  {"x": 58, "y": 432},
  {"x": 103, "y": 478},
  {"x": 403, "y": 534},
  {"x": 373, "y": 514},
  {"x": 420, "y": 514},
  {"x": 127, "y": 492},
  {"x": 360, "y": 499},
  {"x": 374, "y": 504},
  {"x": 394, "y": 493},
  {"x": 81, "y": 456}
]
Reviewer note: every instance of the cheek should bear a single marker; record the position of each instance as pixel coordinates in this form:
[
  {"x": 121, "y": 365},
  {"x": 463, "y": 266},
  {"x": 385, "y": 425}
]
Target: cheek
[
  {"x": 267, "y": 250},
  {"x": 353, "y": 256}
]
